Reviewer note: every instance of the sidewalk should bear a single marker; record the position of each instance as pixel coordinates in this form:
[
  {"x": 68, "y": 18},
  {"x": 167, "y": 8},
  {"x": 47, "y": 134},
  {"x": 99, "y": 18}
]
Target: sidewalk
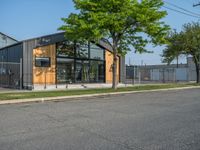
[
  {"x": 77, "y": 86},
  {"x": 42, "y": 88}
]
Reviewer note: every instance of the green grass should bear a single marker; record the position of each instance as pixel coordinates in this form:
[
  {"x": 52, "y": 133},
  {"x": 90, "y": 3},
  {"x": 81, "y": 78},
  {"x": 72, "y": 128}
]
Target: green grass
[{"x": 43, "y": 94}]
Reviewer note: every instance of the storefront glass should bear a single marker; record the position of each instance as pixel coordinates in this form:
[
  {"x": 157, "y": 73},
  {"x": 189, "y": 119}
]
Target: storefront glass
[{"x": 82, "y": 64}]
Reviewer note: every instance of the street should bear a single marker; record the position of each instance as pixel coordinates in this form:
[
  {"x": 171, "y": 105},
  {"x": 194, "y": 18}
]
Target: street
[{"x": 167, "y": 120}]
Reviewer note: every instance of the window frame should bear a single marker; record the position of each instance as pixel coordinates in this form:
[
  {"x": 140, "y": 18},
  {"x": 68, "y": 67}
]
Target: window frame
[{"x": 43, "y": 66}]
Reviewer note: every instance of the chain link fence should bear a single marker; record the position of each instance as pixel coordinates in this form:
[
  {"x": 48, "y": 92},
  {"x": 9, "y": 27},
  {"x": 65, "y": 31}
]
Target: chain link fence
[{"x": 142, "y": 75}]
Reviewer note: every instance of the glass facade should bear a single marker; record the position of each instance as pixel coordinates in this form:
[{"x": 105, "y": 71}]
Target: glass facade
[
  {"x": 95, "y": 53},
  {"x": 80, "y": 63},
  {"x": 82, "y": 51},
  {"x": 82, "y": 71},
  {"x": 97, "y": 73},
  {"x": 65, "y": 70},
  {"x": 65, "y": 49}
]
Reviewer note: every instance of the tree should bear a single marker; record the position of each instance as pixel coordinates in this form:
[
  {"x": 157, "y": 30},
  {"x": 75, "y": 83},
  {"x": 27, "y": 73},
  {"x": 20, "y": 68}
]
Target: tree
[
  {"x": 120, "y": 23},
  {"x": 172, "y": 50},
  {"x": 186, "y": 42}
]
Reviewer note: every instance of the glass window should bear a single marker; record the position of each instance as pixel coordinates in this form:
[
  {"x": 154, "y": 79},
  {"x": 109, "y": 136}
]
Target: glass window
[
  {"x": 65, "y": 49},
  {"x": 96, "y": 52},
  {"x": 82, "y": 71},
  {"x": 97, "y": 71},
  {"x": 42, "y": 62},
  {"x": 82, "y": 51},
  {"x": 65, "y": 70},
  {"x": 93, "y": 45}
]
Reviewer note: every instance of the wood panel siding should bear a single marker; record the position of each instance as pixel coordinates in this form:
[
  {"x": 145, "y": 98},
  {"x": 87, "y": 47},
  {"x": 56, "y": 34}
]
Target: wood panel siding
[
  {"x": 45, "y": 74},
  {"x": 109, "y": 62}
]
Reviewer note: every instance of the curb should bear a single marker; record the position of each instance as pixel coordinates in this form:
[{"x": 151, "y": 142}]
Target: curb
[{"x": 17, "y": 101}]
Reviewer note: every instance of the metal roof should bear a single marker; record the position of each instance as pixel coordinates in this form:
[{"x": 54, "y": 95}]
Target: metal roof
[
  {"x": 8, "y": 36},
  {"x": 53, "y": 38}
]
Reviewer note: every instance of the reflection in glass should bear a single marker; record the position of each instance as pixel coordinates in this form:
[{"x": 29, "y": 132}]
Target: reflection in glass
[
  {"x": 82, "y": 71},
  {"x": 42, "y": 61},
  {"x": 65, "y": 49},
  {"x": 65, "y": 70},
  {"x": 82, "y": 51},
  {"x": 96, "y": 52},
  {"x": 82, "y": 63},
  {"x": 96, "y": 71}
]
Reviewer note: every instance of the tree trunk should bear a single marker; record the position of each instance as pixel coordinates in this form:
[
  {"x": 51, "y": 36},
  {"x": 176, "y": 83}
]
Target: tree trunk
[
  {"x": 114, "y": 69},
  {"x": 197, "y": 70},
  {"x": 177, "y": 61}
]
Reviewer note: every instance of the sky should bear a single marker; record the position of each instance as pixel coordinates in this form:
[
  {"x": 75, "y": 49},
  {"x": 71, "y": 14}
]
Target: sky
[{"x": 24, "y": 19}]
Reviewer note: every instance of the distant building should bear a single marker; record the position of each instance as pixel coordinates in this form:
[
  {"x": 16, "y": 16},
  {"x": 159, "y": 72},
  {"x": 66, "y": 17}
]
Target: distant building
[
  {"x": 6, "y": 40},
  {"x": 163, "y": 73}
]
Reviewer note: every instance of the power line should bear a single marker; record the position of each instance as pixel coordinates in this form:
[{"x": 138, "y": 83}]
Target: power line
[
  {"x": 181, "y": 12},
  {"x": 181, "y": 8},
  {"x": 195, "y": 5}
]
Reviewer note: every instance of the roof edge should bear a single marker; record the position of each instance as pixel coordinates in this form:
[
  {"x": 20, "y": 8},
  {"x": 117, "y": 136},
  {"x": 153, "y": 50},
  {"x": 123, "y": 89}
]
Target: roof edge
[{"x": 9, "y": 36}]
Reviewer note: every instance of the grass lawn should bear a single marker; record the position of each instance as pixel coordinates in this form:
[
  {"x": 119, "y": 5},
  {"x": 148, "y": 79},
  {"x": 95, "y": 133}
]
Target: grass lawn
[{"x": 43, "y": 94}]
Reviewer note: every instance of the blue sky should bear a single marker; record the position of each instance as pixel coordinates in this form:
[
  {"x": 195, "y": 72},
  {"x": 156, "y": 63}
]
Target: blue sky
[{"x": 23, "y": 19}]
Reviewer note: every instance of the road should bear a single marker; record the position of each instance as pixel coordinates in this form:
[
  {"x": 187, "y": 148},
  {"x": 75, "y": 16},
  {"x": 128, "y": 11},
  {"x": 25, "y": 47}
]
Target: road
[{"x": 167, "y": 120}]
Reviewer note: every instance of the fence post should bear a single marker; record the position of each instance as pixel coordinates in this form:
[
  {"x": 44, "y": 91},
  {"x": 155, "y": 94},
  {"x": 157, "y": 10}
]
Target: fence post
[
  {"x": 20, "y": 74},
  {"x": 133, "y": 82},
  {"x": 163, "y": 75},
  {"x": 139, "y": 76},
  {"x": 45, "y": 80},
  {"x": 175, "y": 75}
]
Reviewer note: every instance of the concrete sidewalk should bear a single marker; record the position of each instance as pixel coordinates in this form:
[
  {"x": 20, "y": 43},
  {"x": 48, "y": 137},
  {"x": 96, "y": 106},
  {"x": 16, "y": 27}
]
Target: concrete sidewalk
[
  {"x": 41, "y": 88},
  {"x": 77, "y": 86},
  {"x": 9, "y": 90}
]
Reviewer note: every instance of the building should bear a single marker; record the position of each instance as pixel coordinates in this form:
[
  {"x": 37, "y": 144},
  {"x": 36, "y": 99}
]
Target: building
[
  {"x": 163, "y": 73},
  {"x": 51, "y": 60},
  {"x": 6, "y": 40}
]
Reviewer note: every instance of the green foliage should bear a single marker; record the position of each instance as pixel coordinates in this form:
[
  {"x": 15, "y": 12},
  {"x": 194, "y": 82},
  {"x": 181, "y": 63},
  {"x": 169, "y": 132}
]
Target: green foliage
[
  {"x": 173, "y": 48},
  {"x": 186, "y": 42},
  {"x": 120, "y": 22},
  {"x": 191, "y": 40}
]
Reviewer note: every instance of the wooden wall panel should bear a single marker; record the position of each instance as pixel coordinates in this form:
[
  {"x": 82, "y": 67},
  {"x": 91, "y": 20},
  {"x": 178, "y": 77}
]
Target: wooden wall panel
[
  {"x": 109, "y": 62},
  {"x": 40, "y": 74}
]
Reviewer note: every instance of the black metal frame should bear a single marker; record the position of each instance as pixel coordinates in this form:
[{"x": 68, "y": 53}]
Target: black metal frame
[
  {"x": 49, "y": 64},
  {"x": 75, "y": 58}
]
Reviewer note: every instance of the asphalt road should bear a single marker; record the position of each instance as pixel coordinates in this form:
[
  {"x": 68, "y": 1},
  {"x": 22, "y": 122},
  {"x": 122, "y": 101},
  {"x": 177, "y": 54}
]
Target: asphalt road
[{"x": 150, "y": 121}]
